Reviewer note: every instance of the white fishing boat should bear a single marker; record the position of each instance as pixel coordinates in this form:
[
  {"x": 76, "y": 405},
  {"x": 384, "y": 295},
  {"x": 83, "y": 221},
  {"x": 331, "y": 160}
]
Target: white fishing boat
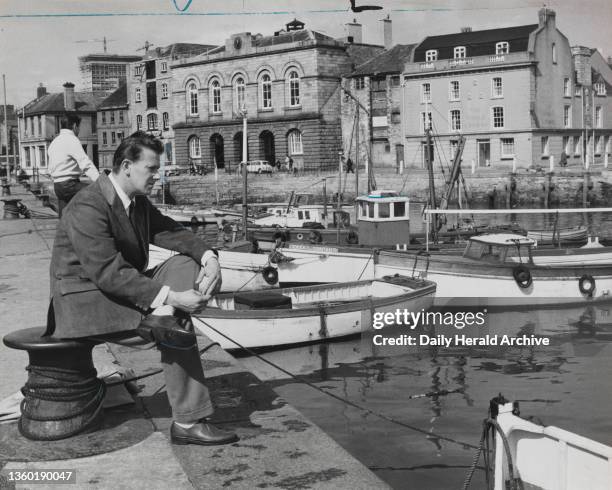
[
  {"x": 499, "y": 270},
  {"x": 547, "y": 458},
  {"x": 563, "y": 235},
  {"x": 240, "y": 271},
  {"x": 194, "y": 215},
  {"x": 308, "y": 314}
]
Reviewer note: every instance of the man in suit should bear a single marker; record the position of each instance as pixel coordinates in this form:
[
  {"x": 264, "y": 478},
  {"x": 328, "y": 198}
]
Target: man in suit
[{"x": 100, "y": 286}]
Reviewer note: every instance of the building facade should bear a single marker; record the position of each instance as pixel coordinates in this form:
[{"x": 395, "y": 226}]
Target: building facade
[
  {"x": 150, "y": 92},
  {"x": 102, "y": 74},
  {"x": 513, "y": 93},
  {"x": 113, "y": 125},
  {"x": 39, "y": 123},
  {"x": 9, "y": 148},
  {"x": 288, "y": 85},
  {"x": 375, "y": 87}
]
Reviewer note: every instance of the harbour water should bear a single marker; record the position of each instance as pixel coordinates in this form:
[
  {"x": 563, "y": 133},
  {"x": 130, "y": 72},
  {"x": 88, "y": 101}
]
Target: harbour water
[{"x": 413, "y": 413}]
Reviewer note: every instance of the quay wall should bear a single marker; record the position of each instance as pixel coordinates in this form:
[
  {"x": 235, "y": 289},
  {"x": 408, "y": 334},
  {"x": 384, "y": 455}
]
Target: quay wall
[{"x": 525, "y": 189}]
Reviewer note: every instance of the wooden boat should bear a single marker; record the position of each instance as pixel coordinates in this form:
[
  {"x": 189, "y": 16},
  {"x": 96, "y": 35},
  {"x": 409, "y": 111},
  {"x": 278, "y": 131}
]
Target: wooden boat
[
  {"x": 547, "y": 458},
  {"x": 240, "y": 271},
  {"x": 577, "y": 234},
  {"x": 499, "y": 270},
  {"x": 308, "y": 314},
  {"x": 193, "y": 215}
]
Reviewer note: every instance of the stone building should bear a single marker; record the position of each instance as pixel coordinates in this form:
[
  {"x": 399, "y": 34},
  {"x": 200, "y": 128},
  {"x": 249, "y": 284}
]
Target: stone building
[
  {"x": 514, "y": 93},
  {"x": 113, "y": 125},
  {"x": 289, "y": 85},
  {"x": 150, "y": 92},
  {"x": 375, "y": 85},
  {"x": 39, "y": 123}
]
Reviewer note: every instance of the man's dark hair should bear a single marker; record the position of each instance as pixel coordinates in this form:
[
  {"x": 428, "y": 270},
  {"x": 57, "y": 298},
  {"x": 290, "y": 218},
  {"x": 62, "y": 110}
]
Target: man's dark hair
[
  {"x": 131, "y": 148},
  {"x": 69, "y": 119}
]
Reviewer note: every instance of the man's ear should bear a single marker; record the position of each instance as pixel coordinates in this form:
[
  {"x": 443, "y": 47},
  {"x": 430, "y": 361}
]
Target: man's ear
[{"x": 126, "y": 166}]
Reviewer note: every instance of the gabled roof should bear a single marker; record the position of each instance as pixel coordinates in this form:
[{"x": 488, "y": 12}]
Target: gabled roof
[
  {"x": 119, "y": 98},
  {"x": 391, "y": 61},
  {"x": 179, "y": 50},
  {"x": 361, "y": 53},
  {"x": 477, "y": 42},
  {"x": 84, "y": 102}
]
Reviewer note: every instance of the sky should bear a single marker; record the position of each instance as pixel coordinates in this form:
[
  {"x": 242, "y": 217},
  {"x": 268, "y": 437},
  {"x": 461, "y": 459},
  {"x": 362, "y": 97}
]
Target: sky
[{"x": 40, "y": 40}]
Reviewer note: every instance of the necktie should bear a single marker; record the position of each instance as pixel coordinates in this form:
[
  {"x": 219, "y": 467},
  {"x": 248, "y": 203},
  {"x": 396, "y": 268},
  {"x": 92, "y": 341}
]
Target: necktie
[{"x": 132, "y": 216}]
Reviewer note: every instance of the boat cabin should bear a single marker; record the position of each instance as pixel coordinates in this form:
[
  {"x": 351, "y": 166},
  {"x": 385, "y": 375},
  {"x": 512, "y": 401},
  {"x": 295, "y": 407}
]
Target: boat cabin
[
  {"x": 383, "y": 219},
  {"x": 500, "y": 248}
]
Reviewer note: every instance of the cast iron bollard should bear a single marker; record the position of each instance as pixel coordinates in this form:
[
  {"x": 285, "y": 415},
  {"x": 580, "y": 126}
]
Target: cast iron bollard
[{"x": 63, "y": 396}]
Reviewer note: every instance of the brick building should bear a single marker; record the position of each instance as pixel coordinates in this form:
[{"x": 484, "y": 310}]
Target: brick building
[
  {"x": 113, "y": 125},
  {"x": 289, "y": 85},
  {"x": 150, "y": 92},
  {"x": 514, "y": 93},
  {"x": 39, "y": 123}
]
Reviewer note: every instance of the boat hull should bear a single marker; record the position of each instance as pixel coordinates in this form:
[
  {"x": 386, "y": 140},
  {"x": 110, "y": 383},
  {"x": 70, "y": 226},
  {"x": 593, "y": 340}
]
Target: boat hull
[
  {"x": 481, "y": 284},
  {"x": 274, "y": 328}
]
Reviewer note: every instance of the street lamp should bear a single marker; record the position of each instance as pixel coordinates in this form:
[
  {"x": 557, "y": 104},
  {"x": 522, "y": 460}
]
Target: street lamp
[{"x": 243, "y": 167}]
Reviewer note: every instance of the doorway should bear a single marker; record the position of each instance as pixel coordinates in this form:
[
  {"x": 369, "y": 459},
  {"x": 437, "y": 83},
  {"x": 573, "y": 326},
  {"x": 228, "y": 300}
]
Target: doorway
[{"x": 484, "y": 153}]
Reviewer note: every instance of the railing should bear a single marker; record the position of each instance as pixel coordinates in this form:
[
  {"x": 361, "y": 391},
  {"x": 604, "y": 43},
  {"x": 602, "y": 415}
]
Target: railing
[
  {"x": 461, "y": 61},
  {"x": 474, "y": 61}
]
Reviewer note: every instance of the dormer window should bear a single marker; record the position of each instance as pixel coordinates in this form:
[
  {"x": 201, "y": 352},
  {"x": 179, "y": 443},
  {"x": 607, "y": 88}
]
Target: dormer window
[
  {"x": 600, "y": 88},
  {"x": 502, "y": 47},
  {"x": 459, "y": 52},
  {"x": 431, "y": 55}
]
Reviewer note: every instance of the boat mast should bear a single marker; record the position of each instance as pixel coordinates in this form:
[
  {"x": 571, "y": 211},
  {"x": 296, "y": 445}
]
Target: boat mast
[{"x": 432, "y": 187}]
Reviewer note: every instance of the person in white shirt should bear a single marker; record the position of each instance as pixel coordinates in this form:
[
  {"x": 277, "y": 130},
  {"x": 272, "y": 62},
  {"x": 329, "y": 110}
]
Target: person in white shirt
[{"x": 68, "y": 160}]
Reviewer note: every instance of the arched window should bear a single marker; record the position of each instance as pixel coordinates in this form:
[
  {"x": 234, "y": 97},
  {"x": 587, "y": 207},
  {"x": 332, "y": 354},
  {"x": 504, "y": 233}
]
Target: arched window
[
  {"x": 152, "y": 122},
  {"x": 192, "y": 99},
  {"x": 239, "y": 94},
  {"x": 138, "y": 122},
  {"x": 295, "y": 142},
  {"x": 194, "y": 147},
  {"x": 166, "y": 120},
  {"x": 294, "y": 88},
  {"x": 215, "y": 95},
  {"x": 266, "y": 92}
]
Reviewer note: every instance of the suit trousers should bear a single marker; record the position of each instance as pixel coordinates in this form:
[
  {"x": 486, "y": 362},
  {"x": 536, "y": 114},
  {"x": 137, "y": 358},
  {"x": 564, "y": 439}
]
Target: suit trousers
[
  {"x": 183, "y": 371},
  {"x": 65, "y": 191}
]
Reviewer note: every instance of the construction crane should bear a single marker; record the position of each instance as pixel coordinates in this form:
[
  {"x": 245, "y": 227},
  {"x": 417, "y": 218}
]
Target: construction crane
[{"x": 103, "y": 41}]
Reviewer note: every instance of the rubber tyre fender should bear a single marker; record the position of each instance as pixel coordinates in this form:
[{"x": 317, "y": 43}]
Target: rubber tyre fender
[
  {"x": 586, "y": 284},
  {"x": 522, "y": 276},
  {"x": 270, "y": 275}
]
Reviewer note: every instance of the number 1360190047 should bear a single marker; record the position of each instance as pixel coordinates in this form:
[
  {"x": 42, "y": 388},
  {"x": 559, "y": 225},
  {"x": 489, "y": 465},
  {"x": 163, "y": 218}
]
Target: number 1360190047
[{"x": 38, "y": 476}]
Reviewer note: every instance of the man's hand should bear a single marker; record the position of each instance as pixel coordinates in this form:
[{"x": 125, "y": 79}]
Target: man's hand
[
  {"x": 189, "y": 301},
  {"x": 209, "y": 279}
]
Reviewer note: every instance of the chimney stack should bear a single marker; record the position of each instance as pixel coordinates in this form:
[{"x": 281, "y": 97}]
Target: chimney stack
[
  {"x": 354, "y": 31},
  {"x": 40, "y": 90},
  {"x": 466, "y": 29},
  {"x": 546, "y": 17},
  {"x": 387, "y": 33},
  {"x": 69, "y": 104},
  {"x": 582, "y": 65}
]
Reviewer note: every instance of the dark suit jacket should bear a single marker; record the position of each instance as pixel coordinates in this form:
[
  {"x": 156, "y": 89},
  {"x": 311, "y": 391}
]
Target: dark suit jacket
[{"x": 97, "y": 281}]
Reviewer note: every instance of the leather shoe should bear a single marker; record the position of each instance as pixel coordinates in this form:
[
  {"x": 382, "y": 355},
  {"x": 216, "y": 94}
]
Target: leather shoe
[
  {"x": 202, "y": 433},
  {"x": 165, "y": 330}
]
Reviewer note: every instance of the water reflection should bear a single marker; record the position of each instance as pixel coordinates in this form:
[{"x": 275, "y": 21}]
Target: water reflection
[{"x": 440, "y": 395}]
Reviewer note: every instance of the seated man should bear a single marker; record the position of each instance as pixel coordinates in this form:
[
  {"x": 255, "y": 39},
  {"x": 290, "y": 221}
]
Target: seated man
[{"x": 100, "y": 289}]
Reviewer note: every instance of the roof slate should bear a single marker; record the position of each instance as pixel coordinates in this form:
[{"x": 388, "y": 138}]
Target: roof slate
[
  {"x": 84, "y": 102},
  {"x": 476, "y": 42},
  {"x": 390, "y": 61},
  {"x": 118, "y": 98}
]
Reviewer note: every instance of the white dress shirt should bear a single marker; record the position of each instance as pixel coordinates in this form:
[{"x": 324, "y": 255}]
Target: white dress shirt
[{"x": 68, "y": 160}]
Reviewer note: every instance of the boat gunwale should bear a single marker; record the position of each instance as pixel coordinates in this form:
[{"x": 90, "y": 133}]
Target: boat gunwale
[{"x": 429, "y": 288}]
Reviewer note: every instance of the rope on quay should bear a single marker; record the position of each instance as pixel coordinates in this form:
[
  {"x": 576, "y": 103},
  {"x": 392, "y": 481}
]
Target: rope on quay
[{"x": 356, "y": 405}]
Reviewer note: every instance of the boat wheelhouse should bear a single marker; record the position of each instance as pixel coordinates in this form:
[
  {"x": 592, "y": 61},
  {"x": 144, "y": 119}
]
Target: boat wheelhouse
[{"x": 383, "y": 219}]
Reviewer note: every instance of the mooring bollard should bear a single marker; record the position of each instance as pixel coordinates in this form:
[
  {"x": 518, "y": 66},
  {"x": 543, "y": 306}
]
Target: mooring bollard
[
  {"x": 11, "y": 208},
  {"x": 6, "y": 189},
  {"x": 63, "y": 395}
]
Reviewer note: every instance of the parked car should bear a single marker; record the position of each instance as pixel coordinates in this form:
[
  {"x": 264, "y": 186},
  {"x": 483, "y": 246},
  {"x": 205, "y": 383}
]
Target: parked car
[{"x": 259, "y": 166}]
